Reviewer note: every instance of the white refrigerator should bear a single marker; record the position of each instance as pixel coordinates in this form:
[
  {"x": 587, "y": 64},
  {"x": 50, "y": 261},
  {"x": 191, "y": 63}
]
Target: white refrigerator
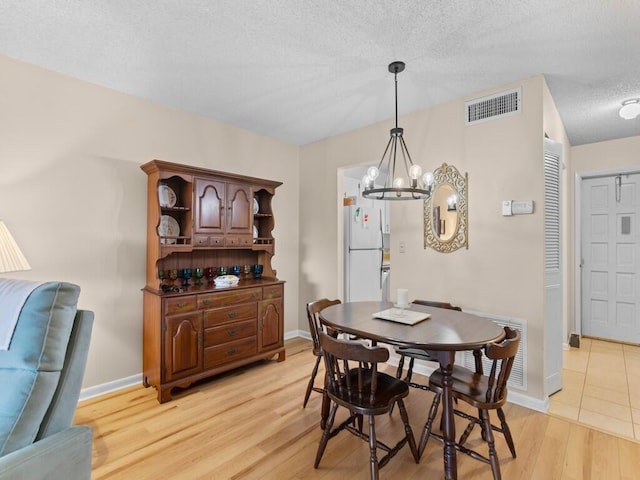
[{"x": 365, "y": 276}]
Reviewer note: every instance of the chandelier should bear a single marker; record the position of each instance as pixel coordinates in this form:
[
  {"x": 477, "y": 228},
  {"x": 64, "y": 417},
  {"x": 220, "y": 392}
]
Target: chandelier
[{"x": 406, "y": 183}]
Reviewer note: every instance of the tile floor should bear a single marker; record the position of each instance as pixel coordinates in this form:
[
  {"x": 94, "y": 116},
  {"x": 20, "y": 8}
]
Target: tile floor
[{"x": 601, "y": 387}]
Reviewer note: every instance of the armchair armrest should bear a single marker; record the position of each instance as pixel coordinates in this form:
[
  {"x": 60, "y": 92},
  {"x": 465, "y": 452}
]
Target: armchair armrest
[{"x": 64, "y": 455}]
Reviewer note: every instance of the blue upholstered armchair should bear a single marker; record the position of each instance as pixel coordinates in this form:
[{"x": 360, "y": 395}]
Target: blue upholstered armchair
[{"x": 40, "y": 379}]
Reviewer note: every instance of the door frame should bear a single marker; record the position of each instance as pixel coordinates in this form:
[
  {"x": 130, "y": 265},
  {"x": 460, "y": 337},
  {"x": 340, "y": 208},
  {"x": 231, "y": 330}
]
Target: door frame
[{"x": 577, "y": 210}]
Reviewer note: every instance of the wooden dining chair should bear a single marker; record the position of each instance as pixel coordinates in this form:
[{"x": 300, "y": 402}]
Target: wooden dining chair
[
  {"x": 354, "y": 382},
  {"x": 415, "y": 354},
  {"x": 313, "y": 310},
  {"x": 483, "y": 392}
]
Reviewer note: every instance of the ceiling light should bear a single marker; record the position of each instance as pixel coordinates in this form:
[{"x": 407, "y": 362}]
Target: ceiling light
[
  {"x": 630, "y": 109},
  {"x": 398, "y": 185}
]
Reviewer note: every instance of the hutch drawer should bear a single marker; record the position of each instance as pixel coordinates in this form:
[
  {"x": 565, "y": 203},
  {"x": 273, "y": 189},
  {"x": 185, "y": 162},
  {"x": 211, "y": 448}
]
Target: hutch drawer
[
  {"x": 230, "y": 332},
  {"x": 247, "y": 311},
  {"x": 272, "y": 291},
  {"x": 229, "y": 352},
  {"x": 225, "y": 299},
  {"x": 183, "y": 304}
]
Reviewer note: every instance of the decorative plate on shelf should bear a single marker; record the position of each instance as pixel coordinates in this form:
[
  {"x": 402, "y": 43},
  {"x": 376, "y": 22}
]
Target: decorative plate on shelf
[
  {"x": 168, "y": 228},
  {"x": 255, "y": 233},
  {"x": 256, "y": 206},
  {"x": 166, "y": 196}
]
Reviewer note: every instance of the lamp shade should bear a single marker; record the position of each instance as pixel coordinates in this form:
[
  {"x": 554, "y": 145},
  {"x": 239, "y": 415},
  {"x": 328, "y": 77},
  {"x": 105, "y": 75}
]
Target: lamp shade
[{"x": 11, "y": 258}]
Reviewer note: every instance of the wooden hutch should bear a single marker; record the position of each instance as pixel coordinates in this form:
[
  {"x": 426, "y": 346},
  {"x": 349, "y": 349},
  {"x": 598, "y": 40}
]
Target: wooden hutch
[{"x": 216, "y": 219}]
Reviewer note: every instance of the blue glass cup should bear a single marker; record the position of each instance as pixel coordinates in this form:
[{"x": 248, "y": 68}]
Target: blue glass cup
[
  {"x": 257, "y": 270},
  {"x": 235, "y": 270},
  {"x": 186, "y": 275}
]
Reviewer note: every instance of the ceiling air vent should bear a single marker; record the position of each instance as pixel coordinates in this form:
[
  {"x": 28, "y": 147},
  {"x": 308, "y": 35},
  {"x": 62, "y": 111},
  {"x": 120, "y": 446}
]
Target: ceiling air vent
[{"x": 492, "y": 107}]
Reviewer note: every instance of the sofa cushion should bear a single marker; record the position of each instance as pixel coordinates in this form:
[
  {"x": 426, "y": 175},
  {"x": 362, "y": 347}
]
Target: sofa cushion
[{"x": 30, "y": 368}]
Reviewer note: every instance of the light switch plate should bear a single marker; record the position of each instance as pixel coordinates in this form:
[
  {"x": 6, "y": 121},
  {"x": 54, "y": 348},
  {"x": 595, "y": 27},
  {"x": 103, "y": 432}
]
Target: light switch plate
[{"x": 506, "y": 207}]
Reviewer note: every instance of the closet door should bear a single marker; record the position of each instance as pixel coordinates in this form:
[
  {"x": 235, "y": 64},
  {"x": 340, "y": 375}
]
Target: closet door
[{"x": 553, "y": 264}]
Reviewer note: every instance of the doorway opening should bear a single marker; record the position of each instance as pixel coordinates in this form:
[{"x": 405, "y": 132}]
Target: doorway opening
[
  {"x": 608, "y": 274},
  {"x": 365, "y": 239}
]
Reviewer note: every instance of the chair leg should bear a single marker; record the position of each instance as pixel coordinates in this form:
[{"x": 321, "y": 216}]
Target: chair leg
[
  {"x": 506, "y": 432},
  {"x": 410, "y": 370},
  {"x": 408, "y": 431},
  {"x": 398, "y": 376},
  {"x": 314, "y": 372},
  {"x": 400, "y": 367},
  {"x": 325, "y": 434},
  {"x": 482, "y": 434},
  {"x": 493, "y": 456},
  {"x": 373, "y": 445},
  {"x": 467, "y": 432},
  {"x": 427, "y": 427}
]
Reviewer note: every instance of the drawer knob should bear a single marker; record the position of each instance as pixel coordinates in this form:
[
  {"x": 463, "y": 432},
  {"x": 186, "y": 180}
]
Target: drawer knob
[
  {"x": 232, "y": 351},
  {"x": 233, "y": 314},
  {"x": 206, "y": 301},
  {"x": 181, "y": 305},
  {"x": 232, "y": 333}
]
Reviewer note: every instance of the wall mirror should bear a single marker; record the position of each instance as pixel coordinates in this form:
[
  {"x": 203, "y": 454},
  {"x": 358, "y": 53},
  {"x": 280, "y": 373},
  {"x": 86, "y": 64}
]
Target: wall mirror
[{"x": 445, "y": 211}]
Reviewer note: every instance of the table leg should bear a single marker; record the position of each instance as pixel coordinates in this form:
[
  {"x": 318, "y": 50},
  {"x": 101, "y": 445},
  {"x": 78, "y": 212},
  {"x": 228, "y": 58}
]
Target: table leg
[{"x": 446, "y": 360}]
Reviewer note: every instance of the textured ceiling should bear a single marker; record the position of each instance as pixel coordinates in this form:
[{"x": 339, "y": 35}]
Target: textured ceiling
[{"x": 303, "y": 70}]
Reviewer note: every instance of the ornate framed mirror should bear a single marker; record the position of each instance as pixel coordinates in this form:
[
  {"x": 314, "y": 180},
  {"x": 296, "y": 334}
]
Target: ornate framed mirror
[{"x": 445, "y": 211}]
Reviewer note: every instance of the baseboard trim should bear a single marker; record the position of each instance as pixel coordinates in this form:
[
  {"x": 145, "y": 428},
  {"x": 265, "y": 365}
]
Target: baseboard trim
[
  {"x": 516, "y": 397},
  {"x": 296, "y": 334},
  {"x": 103, "y": 389}
]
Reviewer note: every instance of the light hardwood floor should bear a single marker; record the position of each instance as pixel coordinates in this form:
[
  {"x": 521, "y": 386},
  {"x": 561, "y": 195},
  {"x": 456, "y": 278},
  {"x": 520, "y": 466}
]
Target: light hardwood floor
[{"x": 249, "y": 424}]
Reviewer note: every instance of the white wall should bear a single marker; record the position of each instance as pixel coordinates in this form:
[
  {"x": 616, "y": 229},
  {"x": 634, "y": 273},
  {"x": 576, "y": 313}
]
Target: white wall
[
  {"x": 73, "y": 195},
  {"x": 502, "y": 271}
]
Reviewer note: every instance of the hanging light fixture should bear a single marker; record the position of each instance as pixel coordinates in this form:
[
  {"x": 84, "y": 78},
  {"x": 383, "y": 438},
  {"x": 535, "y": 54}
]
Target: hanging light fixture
[{"x": 406, "y": 183}]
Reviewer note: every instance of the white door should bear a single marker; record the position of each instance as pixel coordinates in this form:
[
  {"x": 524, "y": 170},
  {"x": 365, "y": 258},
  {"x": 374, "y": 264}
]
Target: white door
[{"x": 610, "y": 249}]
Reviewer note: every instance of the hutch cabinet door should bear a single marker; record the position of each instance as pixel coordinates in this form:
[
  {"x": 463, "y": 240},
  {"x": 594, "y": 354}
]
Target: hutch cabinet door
[
  {"x": 270, "y": 324},
  {"x": 182, "y": 346},
  {"x": 240, "y": 209},
  {"x": 210, "y": 211}
]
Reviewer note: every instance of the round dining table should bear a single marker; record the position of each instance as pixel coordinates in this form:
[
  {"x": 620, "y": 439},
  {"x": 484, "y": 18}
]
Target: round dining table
[{"x": 443, "y": 333}]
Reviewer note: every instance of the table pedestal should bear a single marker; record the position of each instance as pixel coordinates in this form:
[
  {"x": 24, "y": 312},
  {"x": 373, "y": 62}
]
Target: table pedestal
[{"x": 446, "y": 360}]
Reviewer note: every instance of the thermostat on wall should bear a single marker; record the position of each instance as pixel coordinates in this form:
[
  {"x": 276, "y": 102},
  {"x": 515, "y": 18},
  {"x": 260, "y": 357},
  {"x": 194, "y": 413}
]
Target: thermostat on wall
[{"x": 513, "y": 207}]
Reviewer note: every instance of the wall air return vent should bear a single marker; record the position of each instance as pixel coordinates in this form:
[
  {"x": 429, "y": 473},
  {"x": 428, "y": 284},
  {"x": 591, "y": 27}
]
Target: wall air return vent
[
  {"x": 493, "y": 107},
  {"x": 518, "y": 378}
]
